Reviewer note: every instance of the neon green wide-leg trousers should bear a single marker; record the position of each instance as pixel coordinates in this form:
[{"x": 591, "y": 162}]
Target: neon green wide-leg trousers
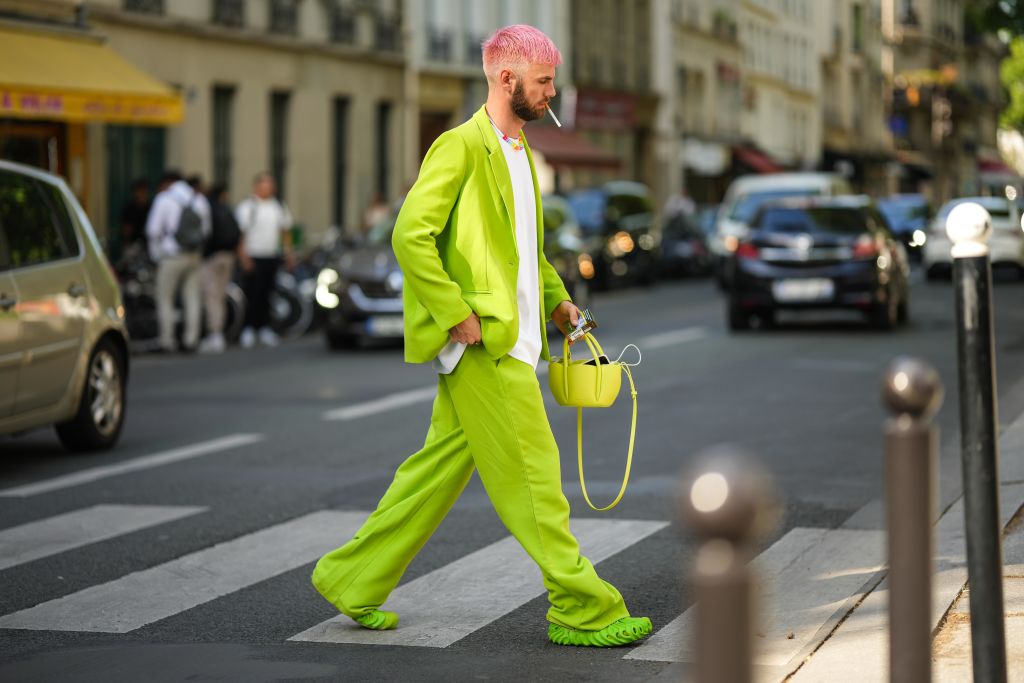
[{"x": 488, "y": 415}]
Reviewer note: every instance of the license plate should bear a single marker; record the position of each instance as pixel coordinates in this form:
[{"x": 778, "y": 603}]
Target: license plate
[
  {"x": 384, "y": 326},
  {"x": 803, "y": 290}
]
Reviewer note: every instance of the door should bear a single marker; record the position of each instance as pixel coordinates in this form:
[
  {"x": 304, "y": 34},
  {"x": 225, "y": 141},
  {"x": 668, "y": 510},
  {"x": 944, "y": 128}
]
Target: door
[
  {"x": 52, "y": 295},
  {"x": 10, "y": 353}
]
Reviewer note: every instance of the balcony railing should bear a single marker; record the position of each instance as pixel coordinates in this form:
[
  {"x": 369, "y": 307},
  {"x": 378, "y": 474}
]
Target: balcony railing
[
  {"x": 284, "y": 17},
  {"x": 145, "y": 6},
  {"x": 229, "y": 13}
]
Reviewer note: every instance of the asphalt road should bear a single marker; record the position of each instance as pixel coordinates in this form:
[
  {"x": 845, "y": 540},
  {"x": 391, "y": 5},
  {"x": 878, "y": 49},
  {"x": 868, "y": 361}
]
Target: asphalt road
[{"x": 254, "y": 440}]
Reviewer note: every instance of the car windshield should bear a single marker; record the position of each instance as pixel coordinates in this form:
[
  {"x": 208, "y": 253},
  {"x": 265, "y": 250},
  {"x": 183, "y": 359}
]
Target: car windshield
[
  {"x": 744, "y": 208},
  {"x": 903, "y": 211},
  {"x": 830, "y": 219},
  {"x": 593, "y": 208}
]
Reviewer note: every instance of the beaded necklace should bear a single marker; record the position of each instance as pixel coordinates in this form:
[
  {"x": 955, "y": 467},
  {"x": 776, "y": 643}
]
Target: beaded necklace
[{"x": 515, "y": 143}]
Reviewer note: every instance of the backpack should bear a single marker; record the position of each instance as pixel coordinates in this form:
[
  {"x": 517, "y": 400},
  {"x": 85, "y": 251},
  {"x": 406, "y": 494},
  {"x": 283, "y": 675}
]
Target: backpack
[
  {"x": 226, "y": 233},
  {"x": 189, "y": 234}
]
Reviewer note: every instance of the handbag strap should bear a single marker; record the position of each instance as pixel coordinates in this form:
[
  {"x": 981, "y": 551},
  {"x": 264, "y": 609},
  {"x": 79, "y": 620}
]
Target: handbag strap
[
  {"x": 629, "y": 455},
  {"x": 595, "y": 350}
]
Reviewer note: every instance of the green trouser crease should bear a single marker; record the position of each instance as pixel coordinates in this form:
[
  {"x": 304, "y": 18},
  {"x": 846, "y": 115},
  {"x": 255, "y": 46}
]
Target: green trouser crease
[{"x": 488, "y": 415}]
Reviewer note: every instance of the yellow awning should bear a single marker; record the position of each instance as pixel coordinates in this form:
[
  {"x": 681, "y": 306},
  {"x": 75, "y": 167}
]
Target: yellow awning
[{"x": 71, "y": 78}]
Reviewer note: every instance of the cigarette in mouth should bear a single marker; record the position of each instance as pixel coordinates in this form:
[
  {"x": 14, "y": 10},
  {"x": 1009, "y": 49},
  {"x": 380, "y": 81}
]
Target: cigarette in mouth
[{"x": 557, "y": 122}]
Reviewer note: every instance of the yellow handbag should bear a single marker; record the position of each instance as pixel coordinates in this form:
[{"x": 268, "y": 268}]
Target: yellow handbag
[{"x": 592, "y": 383}]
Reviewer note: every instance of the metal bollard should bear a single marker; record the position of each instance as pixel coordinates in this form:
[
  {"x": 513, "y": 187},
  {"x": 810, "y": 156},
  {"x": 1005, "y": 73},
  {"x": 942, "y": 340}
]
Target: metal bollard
[
  {"x": 969, "y": 227},
  {"x": 727, "y": 505},
  {"x": 913, "y": 392}
]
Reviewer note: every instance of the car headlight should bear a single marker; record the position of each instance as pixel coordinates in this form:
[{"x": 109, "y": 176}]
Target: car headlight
[
  {"x": 325, "y": 282},
  {"x": 920, "y": 237}
]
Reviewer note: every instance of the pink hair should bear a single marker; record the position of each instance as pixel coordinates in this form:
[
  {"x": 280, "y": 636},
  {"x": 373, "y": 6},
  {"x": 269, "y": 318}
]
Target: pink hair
[{"x": 516, "y": 47}]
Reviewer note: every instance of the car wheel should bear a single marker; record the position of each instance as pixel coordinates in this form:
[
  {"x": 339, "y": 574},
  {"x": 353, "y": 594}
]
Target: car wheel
[
  {"x": 97, "y": 424},
  {"x": 739, "y": 320}
]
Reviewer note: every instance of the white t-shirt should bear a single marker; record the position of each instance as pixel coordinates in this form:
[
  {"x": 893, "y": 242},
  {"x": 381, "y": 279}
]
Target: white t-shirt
[
  {"x": 528, "y": 345},
  {"x": 261, "y": 222}
]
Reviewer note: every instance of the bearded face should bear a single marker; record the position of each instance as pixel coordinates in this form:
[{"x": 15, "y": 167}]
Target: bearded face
[{"x": 521, "y": 106}]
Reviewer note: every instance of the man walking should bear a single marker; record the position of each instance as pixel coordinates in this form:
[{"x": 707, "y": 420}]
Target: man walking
[
  {"x": 477, "y": 292},
  {"x": 218, "y": 266},
  {"x": 176, "y": 228},
  {"x": 266, "y": 230}
]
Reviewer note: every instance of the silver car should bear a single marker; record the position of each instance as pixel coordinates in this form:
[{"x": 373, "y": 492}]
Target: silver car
[{"x": 63, "y": 343}]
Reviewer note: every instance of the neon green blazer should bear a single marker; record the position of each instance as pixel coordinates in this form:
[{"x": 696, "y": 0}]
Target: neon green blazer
[{"x": 455, "y": 242}]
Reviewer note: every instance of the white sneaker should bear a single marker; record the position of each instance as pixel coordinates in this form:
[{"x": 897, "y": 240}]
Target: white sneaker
[
  {"x": 268, "y": 337},
  {"x": 248, "y": 338},
  {"x": 213, "y": 344}
]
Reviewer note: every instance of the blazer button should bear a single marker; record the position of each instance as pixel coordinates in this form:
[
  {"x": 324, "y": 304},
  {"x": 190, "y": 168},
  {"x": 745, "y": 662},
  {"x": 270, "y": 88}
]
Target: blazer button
[{"x": 511, "y": 263}]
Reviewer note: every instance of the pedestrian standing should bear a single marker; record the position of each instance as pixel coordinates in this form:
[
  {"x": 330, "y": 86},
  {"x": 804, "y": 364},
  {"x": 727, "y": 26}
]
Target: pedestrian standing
[
  {"x": 218, "y": 266},
  {"x": 478, "y": 289},
  {"x": 176, "y": 228},
  {"x": 266, "y": 232},
  {"x": 134, "y": 214}
]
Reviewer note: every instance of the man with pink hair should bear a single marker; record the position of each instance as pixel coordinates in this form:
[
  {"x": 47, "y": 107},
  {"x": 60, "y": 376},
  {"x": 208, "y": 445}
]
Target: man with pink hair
[{"x": 477, "y": 293}]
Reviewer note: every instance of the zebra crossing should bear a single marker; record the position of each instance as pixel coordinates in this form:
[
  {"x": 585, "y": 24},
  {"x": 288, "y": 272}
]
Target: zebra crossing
[{"x": 809, "y": 573}]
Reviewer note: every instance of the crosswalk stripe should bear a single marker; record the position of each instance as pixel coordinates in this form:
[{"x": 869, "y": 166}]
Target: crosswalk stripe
[
  {"x": 135, "y": 464},
  {"x": 448, "y": 604},
  {"x": 144, "y": 597},
  {"x": 805, "y": 577},
  {"x": 75, "y": 529}
]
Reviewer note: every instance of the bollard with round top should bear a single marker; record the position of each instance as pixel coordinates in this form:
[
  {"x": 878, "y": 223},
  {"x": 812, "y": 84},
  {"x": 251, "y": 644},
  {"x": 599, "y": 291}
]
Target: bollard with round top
[
  {"x": 969, "y": 226},
  {"x": 728, "y": 504},
  {"x": 912, "y": 391}
]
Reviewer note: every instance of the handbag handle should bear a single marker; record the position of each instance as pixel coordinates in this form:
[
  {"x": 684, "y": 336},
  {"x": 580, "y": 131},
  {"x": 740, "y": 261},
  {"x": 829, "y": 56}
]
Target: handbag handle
[
  {"x": 595, "y": 349},
  {"x": 629, "y": 454}
]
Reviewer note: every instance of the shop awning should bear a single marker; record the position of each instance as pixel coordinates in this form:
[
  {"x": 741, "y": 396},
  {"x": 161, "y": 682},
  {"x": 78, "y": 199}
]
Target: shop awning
[
  {"x": 563, "y": 148},
  {"x": 755, "y": 159},
  {"x": 72, "y": 78}
]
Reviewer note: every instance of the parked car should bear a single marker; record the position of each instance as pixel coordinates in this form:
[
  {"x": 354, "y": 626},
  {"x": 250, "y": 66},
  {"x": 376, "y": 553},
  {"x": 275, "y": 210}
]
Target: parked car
[
  {"x": 749, "y": 193},
  {"x": 683, "y": 247},
  {"x": 908, "y": 215},
  {"x": 63, "y": 342},
  {"x": 819, "y": 253},
  {"x": 564, "y": 248},
  {"x": 1006, "y": 245},
  {"x": 360, "y": 289},
  {"x": 619, "y": 232}
]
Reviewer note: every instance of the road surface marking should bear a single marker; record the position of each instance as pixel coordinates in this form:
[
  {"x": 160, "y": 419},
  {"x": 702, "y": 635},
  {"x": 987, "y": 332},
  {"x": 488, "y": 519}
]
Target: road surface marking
[
  {"x": 58, "y": 534},
  {"x": 133, "y": 465},
  {"x": 805, "y": 577},
  {"x": 150, "y": 595},
  {"x": 671, "y": 338},
  {"x": 382, "y": 405},
  {"x": 450, "y": 603}
]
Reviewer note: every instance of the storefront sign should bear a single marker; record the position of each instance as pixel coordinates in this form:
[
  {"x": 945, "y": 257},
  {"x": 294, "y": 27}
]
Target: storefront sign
[{"x": 82, "y": 107}]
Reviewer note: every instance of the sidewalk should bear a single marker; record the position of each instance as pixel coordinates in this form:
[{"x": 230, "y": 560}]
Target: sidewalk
[{"x": 857, "y": 649}]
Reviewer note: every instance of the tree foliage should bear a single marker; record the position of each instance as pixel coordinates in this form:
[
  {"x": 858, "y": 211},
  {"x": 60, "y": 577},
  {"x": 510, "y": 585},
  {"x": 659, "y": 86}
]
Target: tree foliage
[
  {"x": 1005, "y": 17},
  {"x": 1012, "y": 74}
]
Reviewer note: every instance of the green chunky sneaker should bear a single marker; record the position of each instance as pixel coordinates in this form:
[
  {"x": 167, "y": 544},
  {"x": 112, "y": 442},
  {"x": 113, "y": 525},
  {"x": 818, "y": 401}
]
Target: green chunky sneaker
[
  {"x": 621, "y": 632},
  {"x": 378, "y": 620}
]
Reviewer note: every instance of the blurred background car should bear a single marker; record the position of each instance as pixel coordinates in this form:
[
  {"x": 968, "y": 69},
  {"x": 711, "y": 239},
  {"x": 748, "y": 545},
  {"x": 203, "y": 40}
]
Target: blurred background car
[
  {"x": 359, "y": 289},
  {"x": 908, "y": 214},
  {"x": 63, "y": 342},
  {"x": 749, "y": 193},
  {"x": 564, "y": 249},
  {"x": 819, "y": 253},
  {"x": 683, "y": 247},
  {"x": 1006, "y": 245},
  {"x": 619, "y": 232}
]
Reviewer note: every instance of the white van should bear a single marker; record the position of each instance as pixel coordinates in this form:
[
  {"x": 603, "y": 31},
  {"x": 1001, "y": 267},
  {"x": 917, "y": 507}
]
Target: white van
[{"x": 748, "y": 193}]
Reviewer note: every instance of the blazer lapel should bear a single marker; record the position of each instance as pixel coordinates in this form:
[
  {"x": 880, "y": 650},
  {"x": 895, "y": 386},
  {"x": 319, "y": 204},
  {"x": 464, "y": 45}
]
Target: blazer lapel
[{"x": 502, "y": 185}]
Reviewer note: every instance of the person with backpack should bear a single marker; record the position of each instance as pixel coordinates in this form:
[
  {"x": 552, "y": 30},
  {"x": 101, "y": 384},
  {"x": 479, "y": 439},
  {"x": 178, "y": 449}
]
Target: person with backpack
[
  {"x": 218, "y": 266},
  {"x": 266, "y": 233},
  {"x": 176, "y": 229}
]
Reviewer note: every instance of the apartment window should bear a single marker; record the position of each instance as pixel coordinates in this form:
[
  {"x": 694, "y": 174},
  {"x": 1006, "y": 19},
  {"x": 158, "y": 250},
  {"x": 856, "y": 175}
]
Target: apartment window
[
  {"x": 223, "y": 105},
  {"x": 229, "y": 13},
  {"x": 279, "y": 102},
  {"x": 439, "y": 45},
  {"x": 383, "y": 148},
  {"x": 284, "y": 15},
  {"x": 145, "y": 6},
  {"x": 342, "y": 24},
  {"x": 387, "y": 36},
  {"x": 340, "y": 150},
  {"x": 857, "y": 41},
  {"x": 474, "y": 49}
]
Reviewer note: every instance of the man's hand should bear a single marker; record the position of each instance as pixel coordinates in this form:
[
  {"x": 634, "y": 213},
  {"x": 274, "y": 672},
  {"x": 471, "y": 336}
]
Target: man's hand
[
  {"x": 565, "y": 313},
  {"x": 468, "y": 331}
]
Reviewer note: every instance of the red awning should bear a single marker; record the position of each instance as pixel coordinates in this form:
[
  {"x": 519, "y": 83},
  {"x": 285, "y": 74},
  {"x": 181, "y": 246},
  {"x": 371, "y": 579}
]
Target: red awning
[
  {"x": 563, "y": 148},
  {"x": 755, "y": 159},
  {"x": 993, "y": 166}
]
